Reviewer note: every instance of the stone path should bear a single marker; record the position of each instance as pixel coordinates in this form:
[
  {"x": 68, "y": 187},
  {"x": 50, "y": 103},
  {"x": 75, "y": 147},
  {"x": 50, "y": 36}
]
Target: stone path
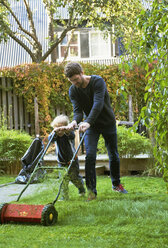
[{"x": 11, "y": 192}]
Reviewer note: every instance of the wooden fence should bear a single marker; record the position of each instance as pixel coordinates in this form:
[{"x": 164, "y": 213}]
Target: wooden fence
[
  {"x": 13, "y": 112},
  {"x": 12, "y": 108}
]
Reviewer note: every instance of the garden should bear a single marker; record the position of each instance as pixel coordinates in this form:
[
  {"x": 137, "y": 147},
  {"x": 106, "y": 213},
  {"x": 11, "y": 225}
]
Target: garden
[{"x": 137, "y": 219}]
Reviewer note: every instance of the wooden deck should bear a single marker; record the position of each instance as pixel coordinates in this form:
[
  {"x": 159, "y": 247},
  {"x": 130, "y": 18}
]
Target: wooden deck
[{"x": 128, "y": 166}]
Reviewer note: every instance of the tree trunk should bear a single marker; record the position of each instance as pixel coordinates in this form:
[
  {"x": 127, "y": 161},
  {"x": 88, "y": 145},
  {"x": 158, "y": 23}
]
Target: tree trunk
[{"x": 51, "y": 35}]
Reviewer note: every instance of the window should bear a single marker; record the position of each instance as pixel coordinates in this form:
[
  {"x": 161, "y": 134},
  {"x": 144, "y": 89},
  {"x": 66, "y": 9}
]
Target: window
[
  {"x": 99, "y": 46},
  {"x": 73, "y": 50},
  {"x": 87, "y": 44}
]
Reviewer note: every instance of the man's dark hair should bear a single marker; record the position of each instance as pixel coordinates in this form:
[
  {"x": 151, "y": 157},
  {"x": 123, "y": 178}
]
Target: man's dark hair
[{"x": 72, "y": 69}]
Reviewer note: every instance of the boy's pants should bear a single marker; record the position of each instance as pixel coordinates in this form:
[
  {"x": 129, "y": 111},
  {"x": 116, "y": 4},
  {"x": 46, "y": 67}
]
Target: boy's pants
[{"x": 75, "y": 178}]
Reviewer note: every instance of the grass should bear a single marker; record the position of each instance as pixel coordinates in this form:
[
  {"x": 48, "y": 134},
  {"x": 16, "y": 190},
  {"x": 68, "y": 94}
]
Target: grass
[
  {"x": 6, "y": 179},
  {"x": 113, "y": 220}
]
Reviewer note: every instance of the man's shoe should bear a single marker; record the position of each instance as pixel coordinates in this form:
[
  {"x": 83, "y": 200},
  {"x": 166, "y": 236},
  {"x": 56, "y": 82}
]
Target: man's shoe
[
  {"x": 119, "y": 189},
  {"x": 91, "y": 196},
  {"x": 82, "y": 194}
]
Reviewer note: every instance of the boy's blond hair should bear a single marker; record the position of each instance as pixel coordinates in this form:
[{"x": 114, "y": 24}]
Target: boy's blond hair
[{"x": 62, "y": 120}]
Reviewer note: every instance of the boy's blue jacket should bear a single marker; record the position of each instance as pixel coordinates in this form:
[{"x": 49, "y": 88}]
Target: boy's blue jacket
[{"x": 64, "y": 146}]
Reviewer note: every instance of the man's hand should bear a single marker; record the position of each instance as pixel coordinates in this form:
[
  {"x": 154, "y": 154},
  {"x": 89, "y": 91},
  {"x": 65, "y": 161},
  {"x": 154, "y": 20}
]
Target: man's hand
[{"x": 83, "y": 126}]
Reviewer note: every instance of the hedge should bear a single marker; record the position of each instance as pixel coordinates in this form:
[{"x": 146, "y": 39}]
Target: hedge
[
  {"x": 130, "y": 143},
  {"x": 13, "y": 145},
  {"x": 49, "y": 84}
]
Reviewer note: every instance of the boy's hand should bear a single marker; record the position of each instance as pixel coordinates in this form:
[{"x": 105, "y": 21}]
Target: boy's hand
[
  {"x": 64, "y": 129},
  {"x": 72, "y": 125},
  {"x": 61, "y": 130},
  {"x": 56, "y": 129}
]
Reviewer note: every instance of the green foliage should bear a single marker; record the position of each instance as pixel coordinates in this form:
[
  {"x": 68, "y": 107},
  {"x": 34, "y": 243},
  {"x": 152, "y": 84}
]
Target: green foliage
[
  {"x": 130, "y": 143},
  {"x": 121, "y": 14},
  {"x": 153, "y": 50},
  {"x": 13, "y": 145},
  {"x": 6, "y": 179},
  {"x": 132, "y": 82},
  {"x": 44, "y": 81},
  {"x": 3, "y": 24},
  {"x": 3, "y": 120}
]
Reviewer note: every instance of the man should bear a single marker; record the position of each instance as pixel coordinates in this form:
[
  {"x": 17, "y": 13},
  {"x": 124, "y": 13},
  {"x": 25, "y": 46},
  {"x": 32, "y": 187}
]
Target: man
[{"x": 90, "y": 97}]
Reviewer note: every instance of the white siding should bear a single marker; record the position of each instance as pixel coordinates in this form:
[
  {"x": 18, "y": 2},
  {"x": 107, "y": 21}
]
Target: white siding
[{"x": 11, "y": 53}]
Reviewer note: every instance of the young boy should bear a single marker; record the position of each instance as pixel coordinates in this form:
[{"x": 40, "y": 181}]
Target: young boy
[{"x": 65, "y": 149}]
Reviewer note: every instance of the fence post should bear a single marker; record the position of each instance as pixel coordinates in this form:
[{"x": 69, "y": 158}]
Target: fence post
[
  {"x": 130, "y": 109},
  {"x": 4, "y": 101},
  {"x": 9, "y": 99},
  {"x": 37, "y": 128}
]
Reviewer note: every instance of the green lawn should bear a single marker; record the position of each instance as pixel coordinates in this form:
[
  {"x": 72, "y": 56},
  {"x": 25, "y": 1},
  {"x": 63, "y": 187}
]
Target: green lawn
[
  {"x": 113, "y": 220},
  {"x": 6, "y": 179}
]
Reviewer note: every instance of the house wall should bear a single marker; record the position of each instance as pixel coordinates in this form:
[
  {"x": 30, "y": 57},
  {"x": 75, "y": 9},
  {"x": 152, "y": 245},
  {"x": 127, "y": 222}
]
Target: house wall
[{"x": 11, "y": 53}]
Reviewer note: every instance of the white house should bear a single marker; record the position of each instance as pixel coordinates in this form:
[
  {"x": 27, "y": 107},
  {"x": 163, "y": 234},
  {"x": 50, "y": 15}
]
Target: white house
[{"x": 86, "y": 44}]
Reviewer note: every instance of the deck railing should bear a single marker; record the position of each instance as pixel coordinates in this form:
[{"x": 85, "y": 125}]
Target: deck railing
[{"x": 101, "y": 61}]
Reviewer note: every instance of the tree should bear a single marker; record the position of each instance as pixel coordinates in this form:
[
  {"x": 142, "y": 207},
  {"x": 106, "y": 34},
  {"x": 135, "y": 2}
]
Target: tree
[
  {"x": 102, "y": 14},
  {"x": 3, "y": 24},
  {"x": 153, "y": 55}
]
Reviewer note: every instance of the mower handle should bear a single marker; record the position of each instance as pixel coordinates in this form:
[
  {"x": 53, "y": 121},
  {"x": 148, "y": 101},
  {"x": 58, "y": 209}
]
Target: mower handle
[{"x": 36, "y": 167}]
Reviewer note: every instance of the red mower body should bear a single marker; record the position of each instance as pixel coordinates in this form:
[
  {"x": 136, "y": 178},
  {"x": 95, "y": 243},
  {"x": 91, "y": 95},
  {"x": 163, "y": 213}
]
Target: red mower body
[
  {"x": 44, "y": 214},
  {"x": 21, "y": 213}
]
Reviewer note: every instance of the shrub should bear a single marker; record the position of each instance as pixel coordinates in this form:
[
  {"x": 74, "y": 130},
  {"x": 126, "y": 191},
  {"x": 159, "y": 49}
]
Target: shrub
[
  {"x": 13, "y": 144},
  {"x": 130, "y": 143}
]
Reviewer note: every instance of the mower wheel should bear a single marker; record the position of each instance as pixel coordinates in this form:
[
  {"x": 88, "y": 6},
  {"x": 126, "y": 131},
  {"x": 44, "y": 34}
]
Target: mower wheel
[
  {"x": 49, "y": 215},
  {"x": 1, "y": 209}
]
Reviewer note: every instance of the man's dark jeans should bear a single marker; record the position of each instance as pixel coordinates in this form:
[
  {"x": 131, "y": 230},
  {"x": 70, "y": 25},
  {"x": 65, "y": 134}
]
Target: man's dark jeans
[{"x": 91, "y": 139}]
